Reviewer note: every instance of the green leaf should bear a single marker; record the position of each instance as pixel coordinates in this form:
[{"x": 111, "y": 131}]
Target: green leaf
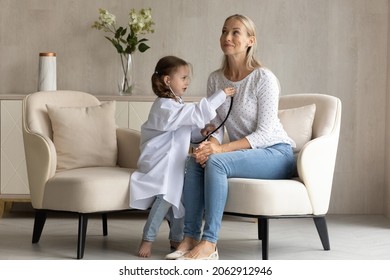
[
  {"x": 143, "y": 47},
  {"x": 128, "y": 50},
  {"x": 129, "y": 36},
  {"x": 111, "y": 40},
  {"x": 133, "y": 48},
  {"x": 119, "y": 48},
  {"x": 131, "y": 41},
  {"x": 118, "y": 32},
  {"x": 143, "y": 40},
  {"x": 123, "y": 32}
]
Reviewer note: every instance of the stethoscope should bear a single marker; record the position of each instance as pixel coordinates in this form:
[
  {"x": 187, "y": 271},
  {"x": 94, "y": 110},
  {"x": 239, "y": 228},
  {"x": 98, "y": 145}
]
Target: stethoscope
[{"x": 227, "y": 115}]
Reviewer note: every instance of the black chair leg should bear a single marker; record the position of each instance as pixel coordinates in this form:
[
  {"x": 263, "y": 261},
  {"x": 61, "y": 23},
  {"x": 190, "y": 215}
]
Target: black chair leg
[
  {"x": 322, "y": 230},
  {"x": 263, "y": 228},
  {"x": 259, "y": 229},
  {"x": 39, "y": 223},
  {"x": 104, "y": 223},
  {"x": 83, "y": 222}
]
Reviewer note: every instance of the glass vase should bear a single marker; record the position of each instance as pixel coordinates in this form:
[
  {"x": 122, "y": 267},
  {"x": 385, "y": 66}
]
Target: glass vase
[{"x": 125, "y": 75}]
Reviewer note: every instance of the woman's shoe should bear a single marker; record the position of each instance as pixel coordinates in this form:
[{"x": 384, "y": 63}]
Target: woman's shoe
[
  {"x": 175, "y": 255},
  {"x": 213, "y": 256}
]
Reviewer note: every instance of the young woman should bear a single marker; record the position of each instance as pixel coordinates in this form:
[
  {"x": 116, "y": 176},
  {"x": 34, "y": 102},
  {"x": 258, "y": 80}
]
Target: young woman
[
  {"x": 165, "y": 140},
  {"x": 259, "y": 146}
]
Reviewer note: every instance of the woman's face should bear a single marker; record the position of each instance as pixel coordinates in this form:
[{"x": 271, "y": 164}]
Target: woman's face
[
  {"x": 234, "y": 39},
  {"x": 179, "y": 80}
]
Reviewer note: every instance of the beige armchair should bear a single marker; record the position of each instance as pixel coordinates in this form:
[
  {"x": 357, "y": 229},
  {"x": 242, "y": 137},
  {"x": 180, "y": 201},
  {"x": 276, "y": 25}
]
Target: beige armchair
[
  {"x": 77, "y": 159},
  {"x": 315, "y": 129}
]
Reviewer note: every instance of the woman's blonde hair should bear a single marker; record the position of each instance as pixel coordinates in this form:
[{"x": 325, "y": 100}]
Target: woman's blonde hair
[{"x": 251, "y": 61}]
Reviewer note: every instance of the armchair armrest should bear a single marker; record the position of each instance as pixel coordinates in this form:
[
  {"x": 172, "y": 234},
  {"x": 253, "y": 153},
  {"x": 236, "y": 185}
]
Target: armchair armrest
[
  {"x": 316, "y": 163},
  {"x": 41, "y": 160},
  {"x": 128, "y": 141}
]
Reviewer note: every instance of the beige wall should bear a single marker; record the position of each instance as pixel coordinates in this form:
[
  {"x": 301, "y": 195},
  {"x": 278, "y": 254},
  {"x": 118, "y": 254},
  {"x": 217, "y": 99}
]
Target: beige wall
[{"x": 327, "y": 46}]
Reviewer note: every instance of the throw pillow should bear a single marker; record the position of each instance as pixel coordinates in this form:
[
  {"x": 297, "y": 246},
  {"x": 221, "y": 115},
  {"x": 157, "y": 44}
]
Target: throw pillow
[
  {"x": 84, "y": 136},
  {"x": 298, "y": 122}
]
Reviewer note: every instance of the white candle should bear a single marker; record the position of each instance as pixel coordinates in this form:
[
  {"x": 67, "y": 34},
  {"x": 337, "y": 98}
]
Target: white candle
[{"x": 47, "y": 78}]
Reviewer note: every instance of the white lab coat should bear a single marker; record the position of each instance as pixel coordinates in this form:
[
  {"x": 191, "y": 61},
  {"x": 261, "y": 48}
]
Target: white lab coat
[{"x": 165, "y": 140}]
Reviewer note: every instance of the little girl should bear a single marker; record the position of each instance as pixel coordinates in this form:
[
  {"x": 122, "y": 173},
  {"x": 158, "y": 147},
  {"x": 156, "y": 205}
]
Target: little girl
[{"x": 165, "y": 140}]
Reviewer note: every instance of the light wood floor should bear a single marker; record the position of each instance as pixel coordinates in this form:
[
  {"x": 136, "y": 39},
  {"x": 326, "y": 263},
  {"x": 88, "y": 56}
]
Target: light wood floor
[{"x": 352, "y": 237}]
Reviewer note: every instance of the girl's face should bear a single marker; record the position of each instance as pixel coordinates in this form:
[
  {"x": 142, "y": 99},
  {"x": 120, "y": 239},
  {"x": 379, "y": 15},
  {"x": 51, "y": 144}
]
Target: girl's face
[
  {"x": 234, "y": 39},
  {"x": 179, "y": 80}
]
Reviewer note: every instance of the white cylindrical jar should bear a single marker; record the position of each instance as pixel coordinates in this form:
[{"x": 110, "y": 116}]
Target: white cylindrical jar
[{"x": 47, "y": 76}]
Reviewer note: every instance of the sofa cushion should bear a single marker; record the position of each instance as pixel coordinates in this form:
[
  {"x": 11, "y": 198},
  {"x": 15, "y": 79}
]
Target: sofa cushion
[
  {"x": 84, "y": 136},
  {"x": 298, "y": 122}
]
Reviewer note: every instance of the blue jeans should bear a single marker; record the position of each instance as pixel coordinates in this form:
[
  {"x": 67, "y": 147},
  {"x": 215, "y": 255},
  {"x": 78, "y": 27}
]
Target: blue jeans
[
  {"x": 162, "y": 209},
  {"x": 205, "y": 189}
]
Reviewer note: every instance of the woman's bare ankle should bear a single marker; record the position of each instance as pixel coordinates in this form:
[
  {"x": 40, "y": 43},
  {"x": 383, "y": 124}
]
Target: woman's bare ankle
[
  {"x": 207, "y": 245},
  {"x": 187, "y": 244},
  {"x": 202, "y": 250}
]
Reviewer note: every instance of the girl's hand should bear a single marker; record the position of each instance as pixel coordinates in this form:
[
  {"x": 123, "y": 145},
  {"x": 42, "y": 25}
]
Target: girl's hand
[
  {"x": 207, "y": 129},
  {"x": 229, "y": 91}
]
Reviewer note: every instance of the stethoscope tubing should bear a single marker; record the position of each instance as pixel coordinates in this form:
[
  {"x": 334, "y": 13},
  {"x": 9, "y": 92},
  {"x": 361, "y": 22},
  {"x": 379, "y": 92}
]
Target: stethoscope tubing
[{"x": 227, "y": 115}]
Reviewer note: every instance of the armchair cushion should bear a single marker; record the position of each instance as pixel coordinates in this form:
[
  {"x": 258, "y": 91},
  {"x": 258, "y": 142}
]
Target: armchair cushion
[
  {"x": 88, "y": 190},
  {"x": 84, "y": 136},
  {"x": 298, "y": 122}
]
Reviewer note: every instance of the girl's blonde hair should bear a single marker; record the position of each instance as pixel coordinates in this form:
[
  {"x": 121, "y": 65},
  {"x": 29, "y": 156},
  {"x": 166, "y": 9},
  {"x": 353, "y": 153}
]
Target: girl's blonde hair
[
  {"x": 251, "y": 61},
  {"x": 166, "y": 66}
]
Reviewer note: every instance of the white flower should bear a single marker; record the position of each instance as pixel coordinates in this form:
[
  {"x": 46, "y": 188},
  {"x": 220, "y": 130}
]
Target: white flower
[
  {"x": 106, "y": 17},
  {"x": 125, "y": 39},
  {"x": 141, "y": 23}
]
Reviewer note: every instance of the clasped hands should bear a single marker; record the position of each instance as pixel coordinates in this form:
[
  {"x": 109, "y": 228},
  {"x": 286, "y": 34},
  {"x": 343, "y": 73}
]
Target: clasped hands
[{"x": 207, "y": 147}]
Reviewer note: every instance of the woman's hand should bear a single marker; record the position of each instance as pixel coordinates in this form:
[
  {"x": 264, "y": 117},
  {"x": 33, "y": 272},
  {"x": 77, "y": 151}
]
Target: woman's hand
[
  {"x": 204, "y": 150},
  {"x": 212, "y": 146}
]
